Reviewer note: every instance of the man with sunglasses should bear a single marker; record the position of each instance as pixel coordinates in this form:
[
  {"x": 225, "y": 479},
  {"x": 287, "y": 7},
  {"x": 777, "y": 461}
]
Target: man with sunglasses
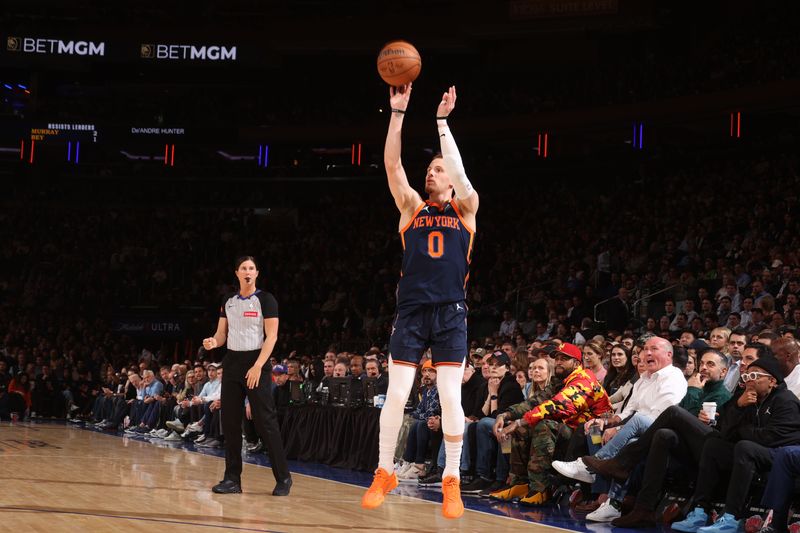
[
  {"x": 786, "y": 462},
  {"x": 765, "y": 417}
]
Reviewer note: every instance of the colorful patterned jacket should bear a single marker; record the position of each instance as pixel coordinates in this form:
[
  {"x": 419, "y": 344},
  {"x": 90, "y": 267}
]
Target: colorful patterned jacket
[{"x": 581, "y": 399}]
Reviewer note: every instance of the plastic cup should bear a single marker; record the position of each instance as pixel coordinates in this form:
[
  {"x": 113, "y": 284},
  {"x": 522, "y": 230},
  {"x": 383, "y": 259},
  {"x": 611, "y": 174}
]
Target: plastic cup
[
  {"x": 710, "y": 409},
  {"x": 596, "y": 435},
  {"x": 505, "y": 446}
]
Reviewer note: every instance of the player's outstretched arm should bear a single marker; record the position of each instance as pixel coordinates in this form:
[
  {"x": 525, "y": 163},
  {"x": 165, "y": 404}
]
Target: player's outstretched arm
[
  {"x": 465, "y": 193},
  {"x": 404, "y": 196}
]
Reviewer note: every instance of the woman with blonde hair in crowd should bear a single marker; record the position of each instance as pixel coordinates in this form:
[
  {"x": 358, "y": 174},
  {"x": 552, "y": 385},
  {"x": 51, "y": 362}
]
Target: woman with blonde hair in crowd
[
  {"x": 525, "y": 484},
  {"x": 539, "y": 379}
]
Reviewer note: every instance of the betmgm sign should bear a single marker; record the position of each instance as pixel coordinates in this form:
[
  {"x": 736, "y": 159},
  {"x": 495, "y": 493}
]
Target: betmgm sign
[
  {"x": 39, "y": 45},
  {"x": 188, "y": 52}
]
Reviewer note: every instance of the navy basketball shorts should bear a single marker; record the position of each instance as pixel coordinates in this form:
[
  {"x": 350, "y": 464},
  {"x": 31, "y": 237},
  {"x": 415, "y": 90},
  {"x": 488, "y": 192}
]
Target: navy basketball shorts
[{"x": 440, "y": 327}]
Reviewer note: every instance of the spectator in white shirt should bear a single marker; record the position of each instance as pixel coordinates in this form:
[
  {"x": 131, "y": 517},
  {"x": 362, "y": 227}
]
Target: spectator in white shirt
[
  {"x": 508, "y": 325},
  {"x": 542, "y": 333},
  {"x": 787, "y": 353},
  {"x": 688, "y": 308},
  {"x": 212, "y": 390},
  {"x": 731, "y": 291},
  {"x": 661, "y": 386}
]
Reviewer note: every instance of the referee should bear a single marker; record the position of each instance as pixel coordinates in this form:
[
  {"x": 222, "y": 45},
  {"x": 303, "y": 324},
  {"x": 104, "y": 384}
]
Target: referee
[{"x": 244, "y": 317}]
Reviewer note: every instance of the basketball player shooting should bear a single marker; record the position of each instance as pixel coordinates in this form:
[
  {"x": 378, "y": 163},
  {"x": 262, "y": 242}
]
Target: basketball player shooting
[{"x": 437, "y": 237}]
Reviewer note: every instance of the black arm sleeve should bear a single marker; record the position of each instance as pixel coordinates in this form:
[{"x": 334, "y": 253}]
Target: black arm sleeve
[{"x": 269, "y": 305}]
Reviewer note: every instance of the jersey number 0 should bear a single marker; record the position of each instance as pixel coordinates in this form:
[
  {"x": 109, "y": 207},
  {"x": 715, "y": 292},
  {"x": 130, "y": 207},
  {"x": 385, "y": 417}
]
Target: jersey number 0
[{"x": 435, "y": 244}]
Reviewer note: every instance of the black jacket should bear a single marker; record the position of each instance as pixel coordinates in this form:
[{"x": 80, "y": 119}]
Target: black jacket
[
  {"x": 508, "y": 394},
  {"x": 469, "y": 395},
  {"x": 775, "y": 422}
]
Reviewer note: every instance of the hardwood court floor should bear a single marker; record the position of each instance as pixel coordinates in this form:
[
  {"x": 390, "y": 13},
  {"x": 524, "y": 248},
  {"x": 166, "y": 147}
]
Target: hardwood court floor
[{"x": 59, "y": 478}]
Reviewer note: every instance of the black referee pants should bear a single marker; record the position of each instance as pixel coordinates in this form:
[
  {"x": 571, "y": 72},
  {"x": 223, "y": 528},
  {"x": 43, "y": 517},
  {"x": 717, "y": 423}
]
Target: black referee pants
[{"x": 262, "y": 406}]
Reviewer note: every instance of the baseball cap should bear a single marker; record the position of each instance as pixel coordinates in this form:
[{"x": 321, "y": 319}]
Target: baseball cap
[
  {"x": 480, "y": 352},
  {"x": 769, "y": 365},
  {"x": 215, "y": 365},
  {"x": 278, "y": 369},
  {"x": 428, "y": 364},
  {"x": 501, "y": 357},
  {"x": 569, "y": 349}
]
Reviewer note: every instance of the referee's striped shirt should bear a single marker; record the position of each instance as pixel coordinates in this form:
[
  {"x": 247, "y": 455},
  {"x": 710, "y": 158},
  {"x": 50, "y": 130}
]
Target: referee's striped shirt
[{"x": 246, "y": 319}]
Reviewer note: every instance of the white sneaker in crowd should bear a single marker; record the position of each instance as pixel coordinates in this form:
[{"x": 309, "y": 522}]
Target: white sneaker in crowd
[
  {"x": 574, "y": 470},
  {"x": 173, "y": 437},
  {"x": 176, "y": 425},
  {"x": 401, "y": 468},
  {"x": 605, "y": 513},
  {"x": 412, "y": 474}
]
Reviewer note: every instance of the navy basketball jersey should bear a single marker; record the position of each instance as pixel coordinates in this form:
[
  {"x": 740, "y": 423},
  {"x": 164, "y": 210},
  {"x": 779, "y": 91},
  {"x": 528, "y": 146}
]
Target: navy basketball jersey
[{"x": 437, "y": 246}]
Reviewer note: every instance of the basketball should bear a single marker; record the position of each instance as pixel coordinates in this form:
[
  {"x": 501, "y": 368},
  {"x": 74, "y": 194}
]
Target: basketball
[{"x": 399, "y": 63}]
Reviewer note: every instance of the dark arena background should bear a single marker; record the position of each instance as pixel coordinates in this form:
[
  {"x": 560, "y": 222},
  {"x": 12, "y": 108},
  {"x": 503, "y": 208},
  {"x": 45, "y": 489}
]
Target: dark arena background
[{"x": 636, "y": 161}]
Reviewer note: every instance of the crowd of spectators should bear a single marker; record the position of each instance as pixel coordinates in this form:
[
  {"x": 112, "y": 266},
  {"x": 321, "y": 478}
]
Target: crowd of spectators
[{"x": 723, "y": 255}]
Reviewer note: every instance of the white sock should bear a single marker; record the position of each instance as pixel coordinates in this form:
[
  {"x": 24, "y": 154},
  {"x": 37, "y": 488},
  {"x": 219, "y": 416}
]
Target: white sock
[
  {"x": 401, "y": 379},
  {"x": 452, "y": 458},
  {"x": 448, "y": 381}
]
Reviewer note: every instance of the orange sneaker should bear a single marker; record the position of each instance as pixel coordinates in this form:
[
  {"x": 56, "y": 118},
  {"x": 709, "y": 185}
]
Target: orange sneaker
[
  {"x": 452, "y": 506},
  {"x": 382, "y": 484}
]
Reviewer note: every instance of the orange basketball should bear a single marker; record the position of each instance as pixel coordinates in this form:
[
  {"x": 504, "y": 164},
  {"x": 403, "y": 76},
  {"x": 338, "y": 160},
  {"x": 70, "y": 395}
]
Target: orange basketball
[{"x": 399, "y": 63}]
